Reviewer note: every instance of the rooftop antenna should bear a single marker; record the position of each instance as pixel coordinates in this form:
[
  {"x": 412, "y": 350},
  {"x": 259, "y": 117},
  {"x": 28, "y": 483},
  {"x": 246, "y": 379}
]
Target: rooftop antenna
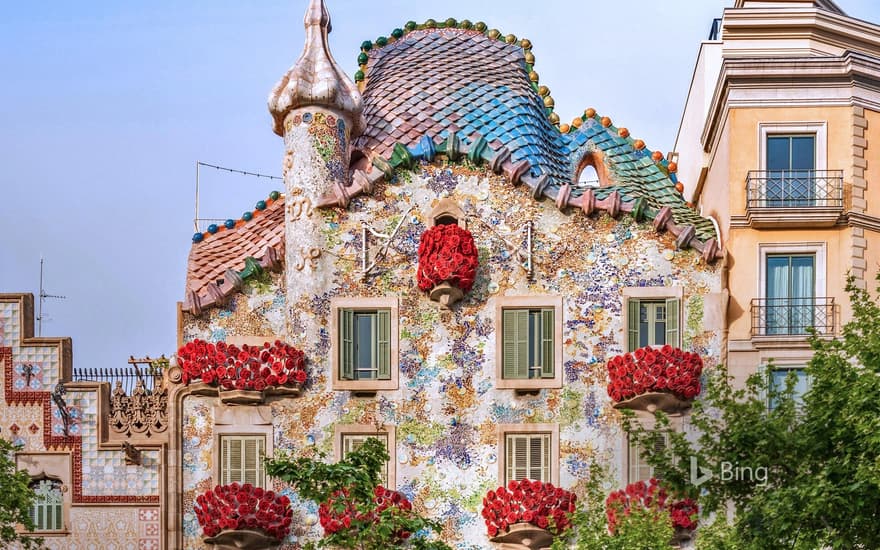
[{"x": 43, "y": 296}]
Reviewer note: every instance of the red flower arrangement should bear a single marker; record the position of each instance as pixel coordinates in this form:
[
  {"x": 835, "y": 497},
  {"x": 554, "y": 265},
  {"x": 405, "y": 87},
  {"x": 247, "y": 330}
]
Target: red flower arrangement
[
  {"x": 248, "y": 368},
  {"x": 647, "y": 369},
  {"x": 338, "y": 513},
  {"x": 649, "y": 496},
  {"x": 234, "y": 506},
  {"x": 447, "y": 253},
  {"x": 528, "y": 501}
]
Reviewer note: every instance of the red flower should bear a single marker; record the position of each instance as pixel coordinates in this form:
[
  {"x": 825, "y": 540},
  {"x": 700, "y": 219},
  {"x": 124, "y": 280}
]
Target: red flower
[
  {"x": 447, "y": 253},
  {"x": 650, "y": 370}
]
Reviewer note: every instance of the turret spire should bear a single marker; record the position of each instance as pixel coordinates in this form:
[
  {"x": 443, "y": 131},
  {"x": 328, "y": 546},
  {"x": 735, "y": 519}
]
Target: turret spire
[{"x": 315, "y": 79}]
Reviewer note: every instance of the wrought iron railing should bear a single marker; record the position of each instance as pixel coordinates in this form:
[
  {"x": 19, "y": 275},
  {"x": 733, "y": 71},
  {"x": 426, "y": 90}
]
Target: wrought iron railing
[
  {"x": 792, "y": 316},
  {"x": 715, "y": 29},
  {"x": 794, "y": 189},
  {"x": 138, "y": 369}
]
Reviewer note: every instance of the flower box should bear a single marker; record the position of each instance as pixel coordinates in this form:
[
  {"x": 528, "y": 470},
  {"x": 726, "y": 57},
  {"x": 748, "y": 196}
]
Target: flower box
[
  {"x": 448, "y": 263},
  {"x": 522, "y": 513},
  {"x": 243, "y": 516},
  {"x": 339, "y": 512},
  {"x": 524, "y": 535},
  {"x": 650, "y": 379},
  {"x": 242, "y": 539},
  {"x": 242, "y": 376},
  {"x": 651, "y": 496}
]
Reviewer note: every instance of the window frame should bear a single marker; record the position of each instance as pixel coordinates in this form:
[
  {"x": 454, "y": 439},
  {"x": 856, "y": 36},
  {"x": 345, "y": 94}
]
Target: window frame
[
  {"x": 816, "y": 249},
  {"x": 767, "y": 369},
  {"x": 507, "y": 303},
  {"x": 817, "y": 128},
  {"x": 340, "y": 431},
  {"x": 262, "y": 477},
  {"x": 60, "y": 508},
  {"x": 632, "y": 448},
  {"x": 503, "y": 430},
  {"x": 652, "y": 294},
  {"x": 355, "y": 304}
]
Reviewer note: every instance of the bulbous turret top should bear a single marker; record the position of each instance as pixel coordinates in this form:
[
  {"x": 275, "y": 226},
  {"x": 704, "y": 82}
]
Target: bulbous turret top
[{"x": 315, "y": 78}]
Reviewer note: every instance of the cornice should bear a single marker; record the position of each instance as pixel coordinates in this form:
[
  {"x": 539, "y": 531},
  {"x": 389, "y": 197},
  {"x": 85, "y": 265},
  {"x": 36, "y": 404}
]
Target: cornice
[{"x": 856, "y": 72}]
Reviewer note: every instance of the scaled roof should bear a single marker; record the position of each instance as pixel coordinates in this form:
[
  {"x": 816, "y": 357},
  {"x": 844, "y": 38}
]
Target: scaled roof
[{"x": 467, "y": 92}]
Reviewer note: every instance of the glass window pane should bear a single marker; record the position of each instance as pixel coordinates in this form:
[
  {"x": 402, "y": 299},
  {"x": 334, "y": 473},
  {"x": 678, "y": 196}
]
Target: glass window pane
[
  {"x": 803, "y": 153},
  {"x": 777, "y": 276},
  {"x": 778, "y": 153},
  {"x": 660, "y": 327},
  {"x": 364, "y": 324},
  {"x": 644, "y": 324}
]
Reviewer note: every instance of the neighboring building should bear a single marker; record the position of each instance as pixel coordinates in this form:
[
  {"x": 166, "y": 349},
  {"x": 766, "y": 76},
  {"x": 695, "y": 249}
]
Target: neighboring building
[{"x": 782, "y": 110}]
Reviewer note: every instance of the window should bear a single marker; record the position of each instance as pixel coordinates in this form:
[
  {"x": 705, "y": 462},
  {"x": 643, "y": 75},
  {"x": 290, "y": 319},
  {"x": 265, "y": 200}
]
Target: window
[
  {"x": 791, "y": 170},
  {"x": 364, "y": 344},
  {"x": 241, "y": 459},
  {"x": 639, "y": 469},
  {"x": 528, "y": 451},
  {"x": 778, "y": 380},
  {"x": 527, "y": 457},
  {"x": 48, "y": 509},
  {"x": 529, "y": 342},
  {"x": 652, "y": 322},
  {"x": 790, "y": 293},
  {"x": 348, "y": 437}
]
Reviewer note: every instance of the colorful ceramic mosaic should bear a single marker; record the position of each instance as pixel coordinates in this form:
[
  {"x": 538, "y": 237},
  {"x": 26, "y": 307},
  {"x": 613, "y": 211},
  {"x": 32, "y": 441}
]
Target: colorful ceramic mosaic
[{"x": 447, "y": 407}]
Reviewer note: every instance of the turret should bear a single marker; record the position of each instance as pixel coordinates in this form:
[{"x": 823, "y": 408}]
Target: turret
[{"x": 317, "y": 109}]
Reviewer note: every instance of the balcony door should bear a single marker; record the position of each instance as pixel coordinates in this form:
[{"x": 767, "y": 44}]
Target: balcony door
[
  {"x": 791, "y": 171},
  {"x": 791, "y": 296}
]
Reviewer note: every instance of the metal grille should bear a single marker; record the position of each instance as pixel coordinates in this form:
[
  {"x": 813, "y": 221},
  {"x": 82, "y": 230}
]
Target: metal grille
[
  {"x": 792, "y": 316},
  {"x": 137, "y": 369},
  {"x": 715, "y": 29},
  {"x": 795, "y": 189}
]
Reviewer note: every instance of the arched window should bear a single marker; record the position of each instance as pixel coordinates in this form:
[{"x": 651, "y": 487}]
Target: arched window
[
  {"x": 48, "y": 508},
  {"x": 591, "y": 171}
]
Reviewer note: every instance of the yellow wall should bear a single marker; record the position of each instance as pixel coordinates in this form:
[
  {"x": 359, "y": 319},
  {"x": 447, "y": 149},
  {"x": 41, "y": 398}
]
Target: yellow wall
[{"x": 744, "y": 146}]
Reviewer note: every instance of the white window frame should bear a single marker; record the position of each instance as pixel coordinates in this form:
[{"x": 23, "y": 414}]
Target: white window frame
[
  {"x": 529, "y": 302},
  {"x": 633, "y": 452},
  {"x": 363, "y": 304},
  {"x": 341, "y": 431},
  {"x": 57, "y": 509},
  {"x": 817, "y": 249},
  {"x": 221, "y": 457},
  {"x": 652, "y": 293},
  {"x": 552, "y": 430},
  {"x": 817, "y": 128}
]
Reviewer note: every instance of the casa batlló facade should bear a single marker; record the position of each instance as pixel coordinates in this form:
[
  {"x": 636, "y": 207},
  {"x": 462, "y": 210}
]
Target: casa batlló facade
[{"x": 432, "y": 273}]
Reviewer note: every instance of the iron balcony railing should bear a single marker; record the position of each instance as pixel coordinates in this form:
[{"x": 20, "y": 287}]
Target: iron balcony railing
[
  {"x": 150, "y": 376},
  {"x": 794, "y": 189},
  {"x": 792, "y": 316}
]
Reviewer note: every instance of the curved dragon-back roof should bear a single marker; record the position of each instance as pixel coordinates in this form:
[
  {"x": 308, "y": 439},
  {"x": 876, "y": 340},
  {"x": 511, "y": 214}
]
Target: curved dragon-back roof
[{"x": 471, "y": 94}]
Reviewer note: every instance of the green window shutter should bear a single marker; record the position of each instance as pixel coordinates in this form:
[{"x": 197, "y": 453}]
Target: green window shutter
[
  {"x": 548, "y": 330},
  {"x": 346, "y": 347},
  {"x": 633, "y": 322},
  {"x": 384, "y": 345},
  {"x": 515, "y": 332},
  {"x": 672, "y": 306}
]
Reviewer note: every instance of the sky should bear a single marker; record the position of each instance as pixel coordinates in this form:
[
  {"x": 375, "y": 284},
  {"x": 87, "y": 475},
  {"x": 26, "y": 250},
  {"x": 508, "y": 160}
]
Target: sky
[{"x": 106, "y": 106}]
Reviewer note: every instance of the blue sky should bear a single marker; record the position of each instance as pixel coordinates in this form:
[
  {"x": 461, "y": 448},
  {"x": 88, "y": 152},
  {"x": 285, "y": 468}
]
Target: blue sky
[{"x": 106, "y": 106}]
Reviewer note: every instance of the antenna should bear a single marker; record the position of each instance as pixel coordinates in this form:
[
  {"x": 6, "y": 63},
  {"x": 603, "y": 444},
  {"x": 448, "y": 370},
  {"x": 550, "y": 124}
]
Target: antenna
[{"x": 43, "y": 296}]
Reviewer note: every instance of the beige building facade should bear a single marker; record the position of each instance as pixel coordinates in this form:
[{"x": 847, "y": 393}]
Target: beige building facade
[{"x": 775, "y": 145}]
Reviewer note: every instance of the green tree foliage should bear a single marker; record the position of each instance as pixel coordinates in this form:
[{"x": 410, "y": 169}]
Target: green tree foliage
[
  {"x": 358, "y": 474},
  {"x": 16, "y": 500},
  {"x": 649, "y": 529},
  {"x": 804, "y": 475}
]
